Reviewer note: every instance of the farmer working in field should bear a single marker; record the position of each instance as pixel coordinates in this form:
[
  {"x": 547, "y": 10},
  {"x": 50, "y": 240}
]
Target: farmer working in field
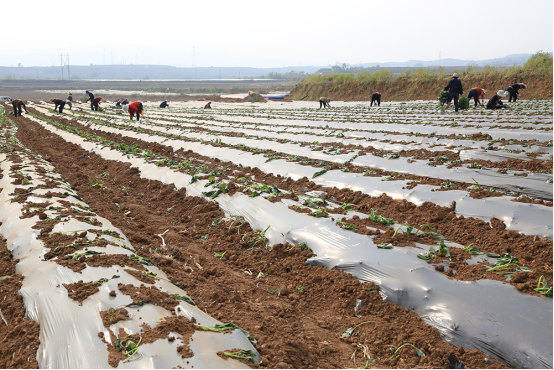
[
  {"x": 376, "y": 97},
  {"x": 496, "y": 101},
  {"x": 164, "y": 104},
  {"x": 58, "y": 102},
  {"x": 91, "y": 98},
  {"x": 17, "y": 104},
  {"x": 96, "y": 102},
  {"x": 69, "y": 100},
  {"x": 514, "y": 91},
  {"x": 208, "y": 106},
  {"x": 455, "y": 87},
  {"x": 477, "y": 94},
  {"x": 324, "y": 102},
  {"x": 134, "y": 108}
]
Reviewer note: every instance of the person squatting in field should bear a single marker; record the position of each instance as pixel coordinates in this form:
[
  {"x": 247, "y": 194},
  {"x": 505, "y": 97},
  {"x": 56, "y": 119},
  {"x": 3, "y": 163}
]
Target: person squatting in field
[
  {"x": 514, "y": 91},
  {"x": 208, "y": 106},
  {"x": 134, "y": 108},
  {"x": 323, "y": 101},
  {"x": 496, "y": 101},
  {"x": 69, "y": 100},
  {"x": 91, "y": 98},
  {"x": 58, "y": 103},
  {"x": 376, "y": 97},
  {"x": 164, "y": 104},
  {"x": 478, "y": 95},
  {"x": 455, "y": 87},
  {"x": 17, "y": 104}
]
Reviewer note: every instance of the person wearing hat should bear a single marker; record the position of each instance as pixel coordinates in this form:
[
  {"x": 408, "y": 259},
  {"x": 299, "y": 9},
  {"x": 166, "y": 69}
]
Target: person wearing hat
[
  {"x": 134, "y": 108},
  {"x": 208, "y": 106},
  {"x": 323, "y": 101},
  {"x": 376, "y": 97},
  {"x": 17, "y": 104},
  {"x": 496, "y": 101},
  {"x": 69, "y": 100},
  {"x": 477, "y": 94},
  {"x": 514, "y": 91},
  {"x": 455, "y": 87},
  {"x": 164, "y": 104},
  {"x": 58, "y": 103}
]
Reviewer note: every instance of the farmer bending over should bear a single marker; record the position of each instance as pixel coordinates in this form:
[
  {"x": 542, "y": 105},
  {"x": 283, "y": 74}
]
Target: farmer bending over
[
  {"x": 455, "y": 87},
  {"x": 477, "y": 94},
  {"x": 17, "y": 104},
  {"x": 91, "y": 98},
  {"x": 376, "y": 97},
  {"x": 69, "y": 100},
  {"x": 324, "y": 102},
  {"x": 514, "y": 91},
  {"x": 58, "y": 102},
  {"x": 164, "y": 104},
  {"x": 208, "y": 106},
  {"x": 496, "y": 101},
  {"x": 134, "y": 108}
]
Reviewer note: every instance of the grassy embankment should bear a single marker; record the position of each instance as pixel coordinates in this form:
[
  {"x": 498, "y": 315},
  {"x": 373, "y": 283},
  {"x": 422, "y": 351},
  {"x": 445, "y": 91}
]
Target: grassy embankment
[{"x": 426, "y": 84}]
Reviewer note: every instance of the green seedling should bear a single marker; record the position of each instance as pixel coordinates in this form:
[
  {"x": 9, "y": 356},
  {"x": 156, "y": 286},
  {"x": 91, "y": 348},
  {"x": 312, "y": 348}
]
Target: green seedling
[
  {"x": 204, "y": 237},
  {"x": 228, "y": 327},
  {"x": 408, "y": 229},
  {"x": 105, "y": 174},
  {"x": 193, "y": 179},
  {"x": 508, "y": 262},
  {"x": 444, "y": 249},
  {"x": 346, "y": 226},
  {"x": 385, "y": 246},
  {"x": 76, "y": 256},
  {"x": 142, "y": 260},
  {"x": 104, "y": 280},
  {"x": 256, "y": 236},
  {"x": 319, "y": 173},
  {"x": 320, "y": 212},
  {"x": 243, "y": 354},
  {"x": 183, "y": 298},
  {"x": 302, "y": 246},
  {"x": 239, "y": 219},
  {"x": 395, "y": 351},
  {"x": 428, "y": 255},
  {"x": 475, "y": 185},
  {"x": 346, "y": 206},
  {"x": 348, "y": 333},
  {"x": 219, "y": 255},
  {"x": 300, "y": 289},
  {"x": 129, "y": 348},
  {"x": 155, "y": 276},
  {"x": 543, "y": 288},
  {"x": 373, "y": 216}
]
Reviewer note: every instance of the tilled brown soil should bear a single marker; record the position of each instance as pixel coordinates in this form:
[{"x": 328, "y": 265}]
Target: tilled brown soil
[
  {"x": 534, "y": 253},
  {"x": 299, "y": 326}
]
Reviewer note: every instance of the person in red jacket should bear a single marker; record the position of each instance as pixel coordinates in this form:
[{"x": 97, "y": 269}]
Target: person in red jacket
[
  {"x": 134, "y": 108},
  {"x": 96, "y": 102},
  {"x": 208, "y": 106}
]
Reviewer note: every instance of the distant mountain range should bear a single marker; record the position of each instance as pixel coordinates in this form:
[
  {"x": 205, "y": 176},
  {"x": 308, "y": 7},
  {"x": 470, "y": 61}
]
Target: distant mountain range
[
  {"x": 136, "y": 72},
  {"x": 509, "y": 60}
]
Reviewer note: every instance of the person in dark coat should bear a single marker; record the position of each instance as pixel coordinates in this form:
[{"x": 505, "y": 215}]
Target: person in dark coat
[
  {"x": 96, "y": 102},
  {"x": 376, "y": 97},
  {"x": 17, "y": 104},
  {"x": 208, "y": 106},
  {"x": 91, "y": 98},
  {"x": 496, "y": 101},
  {"x": 455, "y": 87},
  {"x": 514, "y": 91},
  {"x": 164, "y": 104},
  {"x": 58, "y": 102}
]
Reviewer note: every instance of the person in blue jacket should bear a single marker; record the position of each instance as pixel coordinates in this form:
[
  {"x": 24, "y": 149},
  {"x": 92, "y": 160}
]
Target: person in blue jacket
[{"x": 456, "y": 89}]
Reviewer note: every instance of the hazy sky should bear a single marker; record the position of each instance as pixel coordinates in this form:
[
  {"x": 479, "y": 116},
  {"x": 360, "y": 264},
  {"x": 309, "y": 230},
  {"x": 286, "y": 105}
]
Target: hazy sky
[{"x": 271, "y": 33}]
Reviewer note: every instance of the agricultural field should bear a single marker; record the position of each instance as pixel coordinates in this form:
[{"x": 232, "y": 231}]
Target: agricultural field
[{"x": 277, "y": 235}]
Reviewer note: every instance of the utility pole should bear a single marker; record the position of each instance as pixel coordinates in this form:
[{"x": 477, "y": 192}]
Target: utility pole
[
  {"x": 68, "y": 74},
  {"x": 61, "y": 62}
]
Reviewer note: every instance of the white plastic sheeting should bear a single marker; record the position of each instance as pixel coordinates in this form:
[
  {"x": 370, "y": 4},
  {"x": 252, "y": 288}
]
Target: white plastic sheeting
[
  {"x": 485, "y": 314},
  {"x": 69, "y": 332}
]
